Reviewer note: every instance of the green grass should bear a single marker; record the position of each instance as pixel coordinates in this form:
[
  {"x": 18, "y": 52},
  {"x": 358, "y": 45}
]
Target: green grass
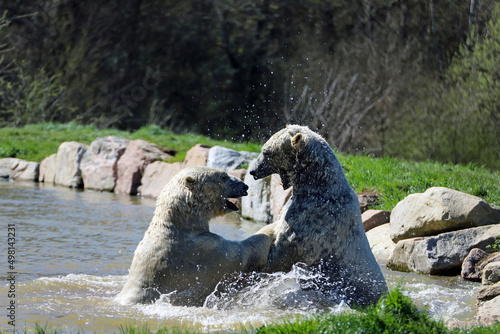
[
  {"x": 395, "y": 313},
  {"x": 36, "y": 141},
  {"x": 393, "y": 179}
]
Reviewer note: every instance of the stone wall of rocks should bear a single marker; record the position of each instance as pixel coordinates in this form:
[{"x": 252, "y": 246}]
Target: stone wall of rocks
[{"x": 442, "y": 232}]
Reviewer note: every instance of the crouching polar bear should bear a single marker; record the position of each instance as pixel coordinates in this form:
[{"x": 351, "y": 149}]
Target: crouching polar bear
[
  {"x": 178, "y": 255},
  {"x": 321, "y": 225}
]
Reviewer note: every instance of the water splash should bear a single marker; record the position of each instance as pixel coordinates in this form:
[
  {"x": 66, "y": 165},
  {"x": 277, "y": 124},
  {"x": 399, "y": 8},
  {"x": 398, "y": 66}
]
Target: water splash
[{"x": 302, "y": 289}]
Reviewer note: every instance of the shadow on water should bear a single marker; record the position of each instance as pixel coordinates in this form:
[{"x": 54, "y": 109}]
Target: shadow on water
[{"x": 74, "y": 248}]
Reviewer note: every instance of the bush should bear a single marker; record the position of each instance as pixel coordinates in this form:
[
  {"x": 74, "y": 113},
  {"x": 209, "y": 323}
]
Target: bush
[{"x": 457, "y": 119}]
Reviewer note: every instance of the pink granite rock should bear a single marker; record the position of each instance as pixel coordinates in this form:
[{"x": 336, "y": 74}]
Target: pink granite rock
[
  {"x": 131, "y": 165},
  {"x": 156, "y": 175},
  {"x": 99, "y": 163},
  {"x": 197, "y": 156},
  {"x": 47, "y": 172}
]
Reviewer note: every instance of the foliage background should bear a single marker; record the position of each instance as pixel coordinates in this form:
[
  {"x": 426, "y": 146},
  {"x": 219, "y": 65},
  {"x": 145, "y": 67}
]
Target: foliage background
[{"x": 410, "y": 78}]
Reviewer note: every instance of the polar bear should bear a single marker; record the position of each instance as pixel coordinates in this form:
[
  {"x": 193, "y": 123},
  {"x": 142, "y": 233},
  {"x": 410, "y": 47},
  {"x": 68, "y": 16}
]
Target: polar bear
[
  {"x": 321, "y": 224},
  {"x": 178, "y": 256}
]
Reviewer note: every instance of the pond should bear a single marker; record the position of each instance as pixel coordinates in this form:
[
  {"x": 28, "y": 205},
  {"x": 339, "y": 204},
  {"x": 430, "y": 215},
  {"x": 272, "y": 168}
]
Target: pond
[{"x": 73, "y": 249}]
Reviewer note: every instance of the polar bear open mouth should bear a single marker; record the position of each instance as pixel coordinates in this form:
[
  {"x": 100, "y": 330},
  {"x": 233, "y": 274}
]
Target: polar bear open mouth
[
  {"x": 238, "y": 194},
  {"x": 231, "y": 206}
]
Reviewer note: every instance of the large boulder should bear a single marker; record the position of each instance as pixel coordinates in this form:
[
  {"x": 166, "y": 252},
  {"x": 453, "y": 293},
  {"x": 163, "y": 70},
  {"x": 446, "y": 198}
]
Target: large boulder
[
  {"x": 257, "y": 205},
  {"x": 68, "y": 160},
  {"x": 380, "y": 242},
  {"x": 278, "y": 197},
  {"x": 99, "y": 163},
  {"x": 474, "y": 263},
  {"x": 439, "y": 210},
  {"x": 131, "y": 165},
  {"x": 156, "y": 176},
  {"x": 18, "y": 169},
  {"x": 227, "y": 159},
  {"x": 266, "y": 197},
  {"x": 23, "y": 170},
  {"x": 442, "y": 254},
  {"x": 197, "y": 156},
  {"x": 5, "y": 169},
  {"x": 48, "y": 167}
]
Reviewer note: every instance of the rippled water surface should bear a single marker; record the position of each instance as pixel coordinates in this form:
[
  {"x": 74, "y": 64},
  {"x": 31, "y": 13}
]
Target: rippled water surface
[{"x": 74, "y": 248}]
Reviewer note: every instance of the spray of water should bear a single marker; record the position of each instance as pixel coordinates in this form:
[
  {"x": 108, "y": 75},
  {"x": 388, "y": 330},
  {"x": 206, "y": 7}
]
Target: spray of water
[{"x": 302, "y": 288}]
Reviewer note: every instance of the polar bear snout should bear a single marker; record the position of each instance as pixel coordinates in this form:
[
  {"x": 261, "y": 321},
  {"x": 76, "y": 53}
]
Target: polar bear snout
[
  {"x": 261, "y": 168},
  {"x": 238, "y": 188}
]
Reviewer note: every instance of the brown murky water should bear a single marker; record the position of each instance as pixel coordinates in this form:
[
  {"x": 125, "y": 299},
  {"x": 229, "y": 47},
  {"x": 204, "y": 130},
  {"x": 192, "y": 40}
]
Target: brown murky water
[{"x": 73, "y": 250}]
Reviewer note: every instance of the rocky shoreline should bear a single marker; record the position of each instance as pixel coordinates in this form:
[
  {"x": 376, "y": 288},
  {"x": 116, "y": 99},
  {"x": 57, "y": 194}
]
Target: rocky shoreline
[{"x": 438, "y": 232}]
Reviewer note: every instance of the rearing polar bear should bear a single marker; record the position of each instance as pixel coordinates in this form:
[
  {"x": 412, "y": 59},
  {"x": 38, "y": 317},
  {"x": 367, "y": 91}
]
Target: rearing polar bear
[{"x": 321, "y": 224}]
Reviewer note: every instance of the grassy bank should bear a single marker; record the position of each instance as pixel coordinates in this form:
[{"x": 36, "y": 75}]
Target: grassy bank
[
  {"x": 395, "y": 313},
  {"x": 392, "y": 179},
  {"x": 36, "y": 141}
]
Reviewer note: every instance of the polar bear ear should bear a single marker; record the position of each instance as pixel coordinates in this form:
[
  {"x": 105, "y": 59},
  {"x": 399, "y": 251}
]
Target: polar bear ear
[
  {"x": 296, "y": 140},
  {"x": 189, "y": 182}
]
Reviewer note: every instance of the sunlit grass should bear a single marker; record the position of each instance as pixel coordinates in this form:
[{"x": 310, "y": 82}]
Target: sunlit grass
[
  {"x": 395, "y": 313},
  {"x": 394, "y": 179},
  {"x": 36, "y": 141}
]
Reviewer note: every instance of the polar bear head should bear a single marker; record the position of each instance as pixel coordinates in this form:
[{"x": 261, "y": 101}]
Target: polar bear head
[{"x": 197, "y": 194}]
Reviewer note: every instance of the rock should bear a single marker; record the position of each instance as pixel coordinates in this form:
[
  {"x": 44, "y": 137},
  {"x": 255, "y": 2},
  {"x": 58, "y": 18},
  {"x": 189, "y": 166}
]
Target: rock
[
  {"x": 374, "y": 218},
  {"x": 5, "y": 169},
  {"x": 197, "y": 156},
  {"x": 239, "y": 173},
  {"x": 474, "y": 263},
  {"x": 439, "y": 210},
  {"x": 278, "y": 197},
  {"x": 47, "y": 172},
  {"x": 488, "y": 292},
  {"x": 257, "y": 204},
  {"x": 366, "y": 200},
  {"x": 402, "y": 255},
  {"x": 442, "y": 254},
  {"x": 18, "y": 169},
  {"x": 131, "y": 165},
  {"x": 381, "y": 243},
  {"x": 227, "y": 159},
  {"x": 23, "y": 170},
  {"x": 99, "y": 163},
  {"x": 68, "y": 160},
  {"x": 156, "y": 176},
  {"x": 489, "y": 312},
  {"x": 491, "y": 273}
]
